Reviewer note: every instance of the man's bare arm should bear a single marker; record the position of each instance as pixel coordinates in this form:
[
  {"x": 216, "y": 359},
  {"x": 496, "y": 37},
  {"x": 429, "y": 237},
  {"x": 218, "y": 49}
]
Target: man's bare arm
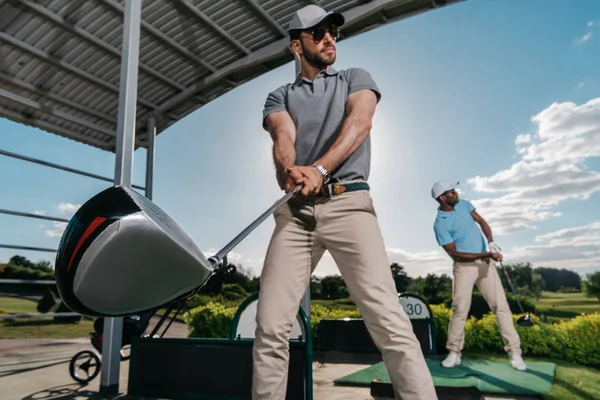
[
  {"x": 283, "y": 133},
  {"x": 465, "y": 257},
  {"x": 360, "y": 108},
  {"x": 485, "y": 228}
]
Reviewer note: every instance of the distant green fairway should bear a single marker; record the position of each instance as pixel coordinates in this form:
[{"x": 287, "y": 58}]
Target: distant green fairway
[
  {"x": 561, "y": 306},
  {"x": 14, "y": 305},
  {"x": 555, "y": 306},
  {"x": 39, "y": 328}
]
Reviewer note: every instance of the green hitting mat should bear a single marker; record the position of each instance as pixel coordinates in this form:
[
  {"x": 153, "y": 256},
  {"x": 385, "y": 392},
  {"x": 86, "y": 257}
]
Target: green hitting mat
[{"x": 487, "y": 376}]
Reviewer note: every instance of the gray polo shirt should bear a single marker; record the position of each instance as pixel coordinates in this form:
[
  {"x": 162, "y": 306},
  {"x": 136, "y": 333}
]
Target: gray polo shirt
[{"x": 318, "y": 109}]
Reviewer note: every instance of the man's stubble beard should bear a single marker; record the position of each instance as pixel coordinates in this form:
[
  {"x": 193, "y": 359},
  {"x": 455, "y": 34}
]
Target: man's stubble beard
[{"x": 316, "y": 59}]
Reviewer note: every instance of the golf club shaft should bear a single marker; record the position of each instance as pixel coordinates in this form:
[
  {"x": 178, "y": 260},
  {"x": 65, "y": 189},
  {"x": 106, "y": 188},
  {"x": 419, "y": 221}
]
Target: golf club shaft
[
  {"x": 512, "y": 288},
  {"x": 214, "y": 260}
]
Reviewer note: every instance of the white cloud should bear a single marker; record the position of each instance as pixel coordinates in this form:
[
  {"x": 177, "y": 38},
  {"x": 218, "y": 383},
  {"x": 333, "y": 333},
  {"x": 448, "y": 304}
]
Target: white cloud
[
  {"x": 405, "y": 257},
  {"x": 249, "y": 265},
  {"x": 59, "y": 228},
  {"x": 585, "y": 37},
  {"x": 591, "y": 23},
  {"x": 573, "y": 248},
  {"x": 421, "y": 263},
  {"x": 68, "y": 208},
  {"x": 586, "y": 234},
  {"x": 523, "y": 138},
  {"x": 510, "y": 214},
  {"x": 580, "y": 85},
  {"x": 552, "y": 169}
]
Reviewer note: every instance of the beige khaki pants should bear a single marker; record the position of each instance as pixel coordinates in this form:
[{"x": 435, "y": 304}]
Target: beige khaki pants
[
  {"x": 483, "y": 273},
  {"x": 346, "y": 225}
]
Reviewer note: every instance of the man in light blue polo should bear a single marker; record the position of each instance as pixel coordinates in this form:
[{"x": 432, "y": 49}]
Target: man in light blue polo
[{"x": 457, "y": 232}]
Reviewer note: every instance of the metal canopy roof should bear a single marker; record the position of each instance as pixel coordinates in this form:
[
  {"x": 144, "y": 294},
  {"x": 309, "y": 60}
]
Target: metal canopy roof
[{"x": 60, "y": 59}]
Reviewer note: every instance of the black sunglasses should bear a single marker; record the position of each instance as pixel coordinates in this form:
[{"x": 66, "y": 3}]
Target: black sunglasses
[{"x": 319, "y": 33}]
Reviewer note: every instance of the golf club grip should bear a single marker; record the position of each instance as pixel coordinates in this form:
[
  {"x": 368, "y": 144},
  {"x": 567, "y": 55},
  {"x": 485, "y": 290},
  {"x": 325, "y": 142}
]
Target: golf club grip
[{"x": 214, "y": 260}]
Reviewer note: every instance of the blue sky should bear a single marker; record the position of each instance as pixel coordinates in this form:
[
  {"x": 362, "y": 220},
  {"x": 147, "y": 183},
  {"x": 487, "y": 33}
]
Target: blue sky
[{"x": 502, "y": 95}]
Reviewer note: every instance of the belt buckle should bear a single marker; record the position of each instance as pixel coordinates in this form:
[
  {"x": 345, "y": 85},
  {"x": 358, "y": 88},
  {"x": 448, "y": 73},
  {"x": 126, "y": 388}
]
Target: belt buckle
[
  {"x": 339, "y": 188},
  {"x": 334, "y": 189}
]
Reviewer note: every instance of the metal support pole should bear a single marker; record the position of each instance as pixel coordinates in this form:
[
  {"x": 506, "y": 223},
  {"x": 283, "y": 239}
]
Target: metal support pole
[
  {"x": 150, "y": 156},
  {"x": 60, "y": 167},
  {"x": 305, "y": 303},
  {"x": 15, "y": 247},
  {"x": 30, "y": 215},
  {"x": 113, "y": 327}
]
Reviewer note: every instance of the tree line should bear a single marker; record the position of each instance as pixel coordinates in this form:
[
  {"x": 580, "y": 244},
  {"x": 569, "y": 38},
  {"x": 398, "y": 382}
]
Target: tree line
[{"x": 529, "y": 282}]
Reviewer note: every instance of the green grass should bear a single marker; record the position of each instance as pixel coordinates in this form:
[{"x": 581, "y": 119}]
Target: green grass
[
  {"x": 39, "y": 328},
  {"x": 44, "y": 329},
  {"x": 14, "y": 305},
  {"x": 571, "y": 381},
  {"x": 344, "y": 304},
  {"x": 563, "y": 306}
]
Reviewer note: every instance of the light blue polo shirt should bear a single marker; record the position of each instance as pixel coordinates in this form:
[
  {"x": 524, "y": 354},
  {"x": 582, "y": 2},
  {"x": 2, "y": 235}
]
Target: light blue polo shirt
[{"x": 458, "y": 226}]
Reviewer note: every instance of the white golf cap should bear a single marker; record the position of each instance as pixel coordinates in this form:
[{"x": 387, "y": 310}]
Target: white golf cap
[
  {"x": 313, "y": 15},
  {"x": 442, "y": 186}
]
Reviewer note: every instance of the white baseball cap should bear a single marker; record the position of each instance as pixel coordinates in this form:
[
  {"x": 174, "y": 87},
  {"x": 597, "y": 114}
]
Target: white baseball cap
[
  {"x": 442, "y": 186},
  {"x": 312, "y": 15}
]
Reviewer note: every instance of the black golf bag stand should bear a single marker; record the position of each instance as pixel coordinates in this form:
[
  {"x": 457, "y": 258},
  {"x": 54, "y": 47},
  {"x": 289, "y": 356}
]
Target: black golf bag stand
[{"x": 85, "y": 365}]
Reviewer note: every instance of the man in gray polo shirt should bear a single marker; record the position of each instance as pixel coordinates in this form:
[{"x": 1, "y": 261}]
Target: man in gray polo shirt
[{"x": 320, "y": 127}]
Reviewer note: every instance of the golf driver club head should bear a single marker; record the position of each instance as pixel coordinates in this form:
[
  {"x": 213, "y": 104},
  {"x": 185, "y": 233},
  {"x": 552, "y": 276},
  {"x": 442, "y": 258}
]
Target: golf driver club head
[
  {"x": 525, "y": 321},
  {"x": 120, "y": 255}
]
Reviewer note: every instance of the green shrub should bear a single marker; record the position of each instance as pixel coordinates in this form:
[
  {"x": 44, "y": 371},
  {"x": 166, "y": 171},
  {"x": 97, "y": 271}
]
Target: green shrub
[
  {"x": 197, "y": 300},
  {"x": 210, "y": 321},
  {"x": 575, "y": 340},
  {"x": 233, "y": 292},
  {"x": 580, "y": 338},
  {"x": 18, "y": 272},
  {"x": 440, "y": 324},
  {"x": 47, "y": 302}
]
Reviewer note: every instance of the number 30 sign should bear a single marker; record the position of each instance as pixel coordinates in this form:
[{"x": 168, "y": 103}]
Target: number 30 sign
[{"x": 414, "y": 306}]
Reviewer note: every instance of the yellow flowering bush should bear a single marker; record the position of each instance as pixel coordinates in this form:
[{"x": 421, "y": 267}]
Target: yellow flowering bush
[{"x": 576, "y": 340}]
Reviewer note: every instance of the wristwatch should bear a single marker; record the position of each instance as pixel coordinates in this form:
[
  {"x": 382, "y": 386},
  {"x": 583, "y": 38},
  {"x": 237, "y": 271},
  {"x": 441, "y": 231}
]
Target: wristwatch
[{"x": 324, "y": 172}]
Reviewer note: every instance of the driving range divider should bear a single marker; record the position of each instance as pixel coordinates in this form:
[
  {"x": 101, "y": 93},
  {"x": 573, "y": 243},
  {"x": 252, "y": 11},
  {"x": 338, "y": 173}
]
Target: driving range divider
[{"x": 350, "y": 335}]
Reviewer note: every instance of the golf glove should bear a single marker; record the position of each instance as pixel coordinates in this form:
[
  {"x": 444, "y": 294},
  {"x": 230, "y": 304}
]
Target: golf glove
[{"x": 495, "y": 248}]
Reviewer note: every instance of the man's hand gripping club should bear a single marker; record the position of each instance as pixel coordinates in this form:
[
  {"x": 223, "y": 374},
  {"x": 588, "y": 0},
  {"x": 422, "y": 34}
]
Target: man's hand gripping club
[{"x": 308, "y": 176}]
